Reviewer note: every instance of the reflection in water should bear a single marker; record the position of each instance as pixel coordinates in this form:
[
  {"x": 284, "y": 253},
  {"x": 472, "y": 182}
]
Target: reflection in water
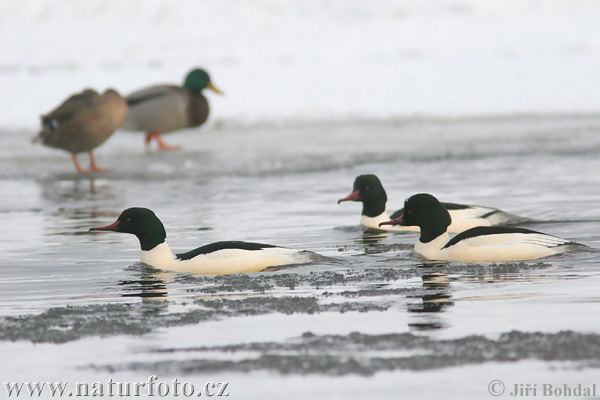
[
  {"x": 151, "y": 288},
  {"x": 432, "y": 264},
  {"x": 435, "y": 302},
  {"x": 59, "y": 191},
  {"x": 436, "y": 280},
  {"x": 74, "y": 204},
  {"x": 77, "y": 191},
  {"x": 435, "y": 299},
  {"x": 144, "y": 288},
  {"x": 372, "y": 242},
  {"x": 152, "y": 284},
  {"x": 373, "y": 236}
]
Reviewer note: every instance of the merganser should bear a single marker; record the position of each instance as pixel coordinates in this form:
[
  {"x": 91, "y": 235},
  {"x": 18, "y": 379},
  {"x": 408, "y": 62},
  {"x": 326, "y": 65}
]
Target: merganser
[
  {"x": 369, "y": 190},
  {"x": 216, "y": 258},
  {"x": 480, "y": 244},
  {"x": 167, "y": 108}
]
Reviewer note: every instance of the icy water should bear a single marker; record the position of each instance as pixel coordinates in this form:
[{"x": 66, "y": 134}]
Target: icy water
[{"x": 375, "y": 322}]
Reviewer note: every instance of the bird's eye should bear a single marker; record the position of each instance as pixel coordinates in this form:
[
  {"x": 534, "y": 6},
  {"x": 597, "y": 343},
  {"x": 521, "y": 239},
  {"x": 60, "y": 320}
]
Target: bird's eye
[
  {"x": 367, "y": 188},
  {"x": 128, "y": 220}
]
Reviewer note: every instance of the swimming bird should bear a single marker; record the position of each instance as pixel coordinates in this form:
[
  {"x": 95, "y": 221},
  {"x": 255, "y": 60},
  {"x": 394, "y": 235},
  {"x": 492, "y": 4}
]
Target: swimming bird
[
  {"x": 167, "y": 108},
  {"x": 227, "y": 257},
  {"x": 480, "y": 244},
  {"x": 369, "y": 190},
  {"x": 83, "y": 122}
]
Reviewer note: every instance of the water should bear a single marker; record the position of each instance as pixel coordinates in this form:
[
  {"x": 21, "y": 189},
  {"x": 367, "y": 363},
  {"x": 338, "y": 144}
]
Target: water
[{"x": 374, "y": 323}]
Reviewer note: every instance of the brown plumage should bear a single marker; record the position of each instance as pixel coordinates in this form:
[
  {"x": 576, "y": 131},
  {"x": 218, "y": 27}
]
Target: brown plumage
[{"x": 83, "y": 122}]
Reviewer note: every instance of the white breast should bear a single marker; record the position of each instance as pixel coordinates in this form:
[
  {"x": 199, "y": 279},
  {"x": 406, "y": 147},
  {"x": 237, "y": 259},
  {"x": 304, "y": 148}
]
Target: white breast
[{"x": 373, "y": 223}]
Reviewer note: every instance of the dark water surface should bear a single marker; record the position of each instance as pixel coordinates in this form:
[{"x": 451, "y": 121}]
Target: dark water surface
[{"x": 377, "y": 322}]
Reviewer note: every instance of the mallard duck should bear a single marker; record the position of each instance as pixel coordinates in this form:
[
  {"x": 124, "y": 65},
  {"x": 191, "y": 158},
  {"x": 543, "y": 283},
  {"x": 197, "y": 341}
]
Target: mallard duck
[
  {"x": 167, "y": 108},
  {"x": 83, "y": 122}
]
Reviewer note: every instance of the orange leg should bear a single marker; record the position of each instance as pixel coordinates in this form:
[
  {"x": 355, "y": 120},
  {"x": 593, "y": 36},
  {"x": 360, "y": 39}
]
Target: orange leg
[
  {"x": 162, "y": 145},
  {"x": 77, "y": 165},
  {"x": 93, "y": 166},
  {"x": 148, "y": 137}
]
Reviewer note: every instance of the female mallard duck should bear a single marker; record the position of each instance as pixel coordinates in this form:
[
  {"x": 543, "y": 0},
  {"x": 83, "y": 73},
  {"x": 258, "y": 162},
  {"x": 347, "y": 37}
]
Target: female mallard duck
[
  {"x": 83, "y": 122},
  {"x": 167, "y": 108}
]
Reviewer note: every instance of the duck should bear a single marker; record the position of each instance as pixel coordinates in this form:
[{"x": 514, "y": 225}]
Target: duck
[
  {"x": 226, "y": 257},
  {"x": 479, "y": 244},
  {"x": 167, "y": 108},
  {"x": 369, "y": 190},
  {"x": 82, "y": 123}
]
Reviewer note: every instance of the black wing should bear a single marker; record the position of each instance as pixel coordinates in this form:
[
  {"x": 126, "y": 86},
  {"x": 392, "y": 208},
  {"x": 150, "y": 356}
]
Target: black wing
[
  {"x": 487, "y": 230},
  {"x": 454, "y": 206},
  {"x": 447, "y": 206},
  {"x": 211, "y": 248}
]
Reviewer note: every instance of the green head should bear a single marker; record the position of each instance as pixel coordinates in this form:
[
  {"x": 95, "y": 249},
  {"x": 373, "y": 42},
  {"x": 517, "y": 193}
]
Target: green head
[
  {"x": 198, "y": 80},
  {"x": 368, "y": 190}
]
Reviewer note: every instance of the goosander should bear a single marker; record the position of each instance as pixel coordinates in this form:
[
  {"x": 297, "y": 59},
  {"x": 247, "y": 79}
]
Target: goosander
[
  {"x": 228, "y": 257},
  {"x": 167, "y": 108},
  {"x": 369, "y": 190},
  {"x": 480, "y": 244}
]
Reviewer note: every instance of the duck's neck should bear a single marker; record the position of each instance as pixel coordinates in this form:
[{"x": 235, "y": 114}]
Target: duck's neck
[
  {"x": 151, "y": 238},
  {"x": 373, "y": 222},
  {"x": 373, "y": 208},
  {"x": 432, "y": 229},
  {"x": 159, "y": 257},
  {"x": 432, "y": 248}
]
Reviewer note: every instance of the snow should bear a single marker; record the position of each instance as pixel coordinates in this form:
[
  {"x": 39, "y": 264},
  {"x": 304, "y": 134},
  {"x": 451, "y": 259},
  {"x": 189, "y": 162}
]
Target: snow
[{"x": 308, "y": 59}]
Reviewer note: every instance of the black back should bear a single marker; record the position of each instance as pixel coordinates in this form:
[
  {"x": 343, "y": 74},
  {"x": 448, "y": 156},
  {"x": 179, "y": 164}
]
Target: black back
[
  {"x": 486, "y": 230},
  {"x": 447, "y": 206},
  {"x": 454, "y": 206},
  {"x": 211, "y": 248}
]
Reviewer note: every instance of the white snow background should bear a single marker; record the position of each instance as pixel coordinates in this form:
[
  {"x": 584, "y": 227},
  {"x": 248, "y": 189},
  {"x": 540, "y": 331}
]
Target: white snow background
[{"x": 308, "y": 60}]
